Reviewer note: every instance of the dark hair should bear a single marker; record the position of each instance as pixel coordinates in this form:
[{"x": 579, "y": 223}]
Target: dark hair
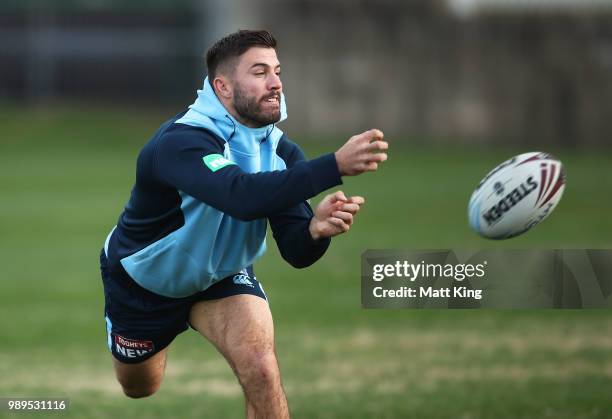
[{"x": 234, "y": 45}]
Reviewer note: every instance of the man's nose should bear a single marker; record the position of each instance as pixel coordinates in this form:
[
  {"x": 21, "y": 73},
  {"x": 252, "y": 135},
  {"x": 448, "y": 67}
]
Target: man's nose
[{"x": 275, "y": 82}]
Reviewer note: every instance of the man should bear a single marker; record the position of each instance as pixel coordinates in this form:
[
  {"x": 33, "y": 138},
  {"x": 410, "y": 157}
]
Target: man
[{"x": 206, "y": 184}]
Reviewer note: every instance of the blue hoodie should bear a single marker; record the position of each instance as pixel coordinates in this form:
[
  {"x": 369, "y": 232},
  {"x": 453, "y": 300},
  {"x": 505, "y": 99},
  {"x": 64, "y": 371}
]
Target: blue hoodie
[{"x": 206, "y": 185}]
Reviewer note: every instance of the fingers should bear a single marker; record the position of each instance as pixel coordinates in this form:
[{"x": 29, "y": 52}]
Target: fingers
[
  {"x": 377, "y": 146},
  {"x": 353, "y": 208},
  {"x": 347, "y": 217},
  {"x": 337, "y": 222},
  {"x": 377, "y": 134},
  {"x": 341, "y": 214},
  {"x": 357, "y": 154},
  {"x": 374, "y": 134},
  {"x": 370, "y": 167},
  {"x": 359, "y": 200},
  {"x": 368, "y": 136},
  {"x": 352, "y": 204},
  {"x": 347, "y": 210},
  {"x": 348, "y": 207},
  {"x": 338, "y": 196},
  {"x": 373, "y": 160},
  {"x": 378, "y": 157}
]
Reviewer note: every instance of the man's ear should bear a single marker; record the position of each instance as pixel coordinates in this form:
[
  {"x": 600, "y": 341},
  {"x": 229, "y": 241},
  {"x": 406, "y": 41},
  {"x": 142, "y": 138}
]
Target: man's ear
[{"x": 222, "y": 87}]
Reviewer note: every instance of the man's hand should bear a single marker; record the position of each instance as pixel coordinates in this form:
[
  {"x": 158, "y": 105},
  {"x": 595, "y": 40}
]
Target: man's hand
[
  {"x": 334, "y": 215},
  {"x": 362, "y": 153}
]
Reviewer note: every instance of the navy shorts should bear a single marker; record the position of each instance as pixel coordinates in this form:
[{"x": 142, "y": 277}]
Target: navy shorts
[{"x": 140, "y": 323}]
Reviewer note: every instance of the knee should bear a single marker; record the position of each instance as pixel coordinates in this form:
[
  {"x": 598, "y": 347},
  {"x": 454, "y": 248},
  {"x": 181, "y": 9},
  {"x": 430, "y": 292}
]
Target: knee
[
  {"x": 258, "y": 368},
  {"x": 141, "y": 379},
  {"x": 139, "y": 391},
  {"x": 139, "y": 388}
]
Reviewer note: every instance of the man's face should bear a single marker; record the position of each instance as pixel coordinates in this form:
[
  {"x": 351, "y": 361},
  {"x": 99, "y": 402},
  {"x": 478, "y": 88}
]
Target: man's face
[{"x": 257, "y": 87}]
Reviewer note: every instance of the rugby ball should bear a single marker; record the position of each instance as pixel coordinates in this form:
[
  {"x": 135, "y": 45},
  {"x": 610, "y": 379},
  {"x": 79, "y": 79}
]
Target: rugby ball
[{"x": 516, "y": 195}]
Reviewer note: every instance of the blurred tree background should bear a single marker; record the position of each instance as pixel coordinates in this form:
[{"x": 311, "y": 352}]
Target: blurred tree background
[{"x": 467, "y": 71}]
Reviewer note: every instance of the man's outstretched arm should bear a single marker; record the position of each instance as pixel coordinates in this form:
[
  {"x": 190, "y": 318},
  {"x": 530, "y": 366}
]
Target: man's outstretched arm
[{"x": 181, "y": 163}]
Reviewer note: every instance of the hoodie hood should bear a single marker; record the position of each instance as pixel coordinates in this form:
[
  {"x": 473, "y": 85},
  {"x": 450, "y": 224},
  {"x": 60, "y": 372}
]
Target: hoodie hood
[
  {"x": 208, "y": 112},
  {"x": 253, "y": 149}
]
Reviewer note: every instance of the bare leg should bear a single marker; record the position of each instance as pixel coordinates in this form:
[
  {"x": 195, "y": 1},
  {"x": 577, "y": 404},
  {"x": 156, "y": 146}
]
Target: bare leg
[
  {"x": 250, "y": 409},
  {"x": 142, "y": 379},
  {"x": 241, "y": 328}
]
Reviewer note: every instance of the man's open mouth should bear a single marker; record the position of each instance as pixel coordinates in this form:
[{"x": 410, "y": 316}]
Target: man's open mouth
[{"x": 272, "y": 99}]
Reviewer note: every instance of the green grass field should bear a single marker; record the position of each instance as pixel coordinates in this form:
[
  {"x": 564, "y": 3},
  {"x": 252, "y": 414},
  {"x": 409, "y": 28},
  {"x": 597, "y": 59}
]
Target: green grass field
[{"x": 65, "y": 175}]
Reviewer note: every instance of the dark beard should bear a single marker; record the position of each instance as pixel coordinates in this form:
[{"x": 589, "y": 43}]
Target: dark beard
[{"x": 250, "y": 110}]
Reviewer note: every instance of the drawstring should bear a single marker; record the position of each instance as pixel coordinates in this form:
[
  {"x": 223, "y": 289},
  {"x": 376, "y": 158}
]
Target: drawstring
[
  {"x": 272, "y": 126},
  {"x": 268, "y": 132},
  {"x": 233, "y": 125}
]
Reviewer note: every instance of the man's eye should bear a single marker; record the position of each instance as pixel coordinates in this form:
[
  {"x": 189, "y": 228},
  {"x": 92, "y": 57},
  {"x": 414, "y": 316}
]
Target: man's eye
[{"x": 259, "y": 73}]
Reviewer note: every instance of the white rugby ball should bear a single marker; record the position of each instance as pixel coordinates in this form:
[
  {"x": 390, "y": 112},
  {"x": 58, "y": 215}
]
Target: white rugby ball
[{"x": 516, "y": 195}]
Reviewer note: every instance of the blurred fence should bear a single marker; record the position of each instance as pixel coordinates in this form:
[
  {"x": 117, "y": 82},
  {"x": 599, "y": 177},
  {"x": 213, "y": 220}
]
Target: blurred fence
[
  {"x": 98, "y": 54},
  {"x": 413, "y": 68}
]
